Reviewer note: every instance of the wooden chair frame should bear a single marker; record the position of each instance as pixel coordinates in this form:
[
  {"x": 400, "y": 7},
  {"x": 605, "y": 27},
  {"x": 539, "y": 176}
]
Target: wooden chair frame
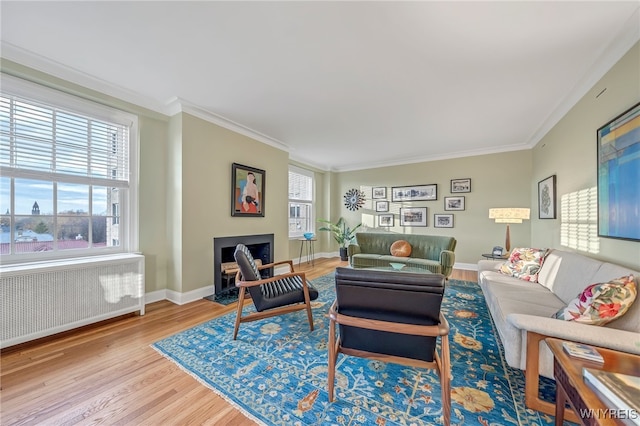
[
  {"x": 532, "y": 384},
  {"x": 441, "y": 363},
  {"x": 243, "y": 285}
]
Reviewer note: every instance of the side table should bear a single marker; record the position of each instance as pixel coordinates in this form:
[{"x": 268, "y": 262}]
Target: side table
[
  {"x": 495, "y": 256},
  {"x": 571, "y": 387},
  {"x": 308, "y": 243}
]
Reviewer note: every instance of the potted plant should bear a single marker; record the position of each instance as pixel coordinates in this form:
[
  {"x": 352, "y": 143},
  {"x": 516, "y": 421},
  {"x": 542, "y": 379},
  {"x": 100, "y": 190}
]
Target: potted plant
[{"x": 341, "y": 233}]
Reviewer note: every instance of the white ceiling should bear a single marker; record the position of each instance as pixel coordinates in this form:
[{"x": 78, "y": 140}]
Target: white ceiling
[{"x": 340, "y": 85}]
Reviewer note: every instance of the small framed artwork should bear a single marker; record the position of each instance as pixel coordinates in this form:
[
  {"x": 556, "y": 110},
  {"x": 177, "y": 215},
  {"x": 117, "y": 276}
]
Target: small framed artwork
[
  {"x": 454, "y": 203},
  {"x": 385, "y": 220},
  {"x": 547, "y": 198},
  {"x": 247, "y": 191},
  {"x": 379, "y": 192},
  {"x": 460, "y": 185},
  {"x": 443, "y": 221},
  {"x": 413, "y": 216},
  {"x": 382, "y": 206},
  {"x": 414, "y": 193}
]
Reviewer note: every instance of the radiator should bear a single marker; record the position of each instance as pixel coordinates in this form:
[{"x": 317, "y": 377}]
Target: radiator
[{"x": 42, "y": 299}]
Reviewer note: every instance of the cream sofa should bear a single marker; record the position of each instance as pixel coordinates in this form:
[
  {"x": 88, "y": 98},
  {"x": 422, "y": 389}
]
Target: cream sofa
[{"x": 522, "y": 312}]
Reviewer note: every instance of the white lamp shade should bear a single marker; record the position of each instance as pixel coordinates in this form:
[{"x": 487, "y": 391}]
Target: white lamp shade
[{"x": 509, "y": 215}]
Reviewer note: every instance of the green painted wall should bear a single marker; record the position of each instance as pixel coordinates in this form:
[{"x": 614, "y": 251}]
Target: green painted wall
[
  {"x": 497, "y": 180},
  {"x": 207, "y": 155},
  {"x": 569, "y": 151}
]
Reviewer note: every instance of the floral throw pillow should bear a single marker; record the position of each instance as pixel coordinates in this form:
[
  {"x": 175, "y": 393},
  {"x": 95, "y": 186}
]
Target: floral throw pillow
[
  {"x": 524, "y": 263},
  {"x": 601, "y": 303}
]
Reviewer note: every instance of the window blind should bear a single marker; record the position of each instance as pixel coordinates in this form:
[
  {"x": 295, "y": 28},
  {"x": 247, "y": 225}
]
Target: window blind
[
  {"x": 300, "y": 186},
  {"x": 37, "y": 138}
]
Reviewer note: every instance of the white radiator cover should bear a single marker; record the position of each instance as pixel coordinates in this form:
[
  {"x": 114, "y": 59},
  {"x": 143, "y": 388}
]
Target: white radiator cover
[{"x": 42, "y": 299}]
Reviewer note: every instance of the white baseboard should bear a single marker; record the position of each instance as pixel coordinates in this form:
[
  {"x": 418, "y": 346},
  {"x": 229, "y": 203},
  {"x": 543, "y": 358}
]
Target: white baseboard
[
  {"x": 155, "y": 296},
  {"x": 466, "y": 266},
  {"x": 197, "y": 294}
]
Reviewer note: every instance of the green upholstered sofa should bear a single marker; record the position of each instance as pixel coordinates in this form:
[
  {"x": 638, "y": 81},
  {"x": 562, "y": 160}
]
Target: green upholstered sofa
[{"x": 432, "y": 252}]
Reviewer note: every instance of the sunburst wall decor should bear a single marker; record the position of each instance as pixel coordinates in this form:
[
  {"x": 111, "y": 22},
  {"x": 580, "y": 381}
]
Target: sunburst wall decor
[{"x": 354, "y": 199}]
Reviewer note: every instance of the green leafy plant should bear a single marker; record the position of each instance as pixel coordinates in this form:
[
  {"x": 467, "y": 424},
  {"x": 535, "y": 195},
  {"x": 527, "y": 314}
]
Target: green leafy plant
[{"x": 341, "y": 232}]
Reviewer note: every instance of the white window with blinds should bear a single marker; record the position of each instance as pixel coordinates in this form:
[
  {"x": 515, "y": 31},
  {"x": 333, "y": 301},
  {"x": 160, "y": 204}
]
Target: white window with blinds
[
  {"x": 301, "y": 199},
  {"x": 68, "y": 172}
]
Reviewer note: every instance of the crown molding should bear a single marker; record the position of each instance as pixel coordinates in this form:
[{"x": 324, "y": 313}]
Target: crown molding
[
  {"x": 56, "y": 69},
  {"x": 426, "y": 159},
  {"x": 176, "y": 105},
  {"x": 625, "y": 39},
  {"x": 308, "y": 162}
]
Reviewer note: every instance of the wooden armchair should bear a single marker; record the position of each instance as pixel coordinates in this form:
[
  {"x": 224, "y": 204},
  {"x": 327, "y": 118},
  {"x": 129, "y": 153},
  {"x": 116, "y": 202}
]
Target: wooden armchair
[
  {"x": 277, "y": 295},
  {"x": 391, "y": 317}
]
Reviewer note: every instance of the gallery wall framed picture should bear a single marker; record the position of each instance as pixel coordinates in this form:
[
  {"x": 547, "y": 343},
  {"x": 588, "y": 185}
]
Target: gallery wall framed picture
[
  {"x": 382, "y": 206},
  {"x": 443, "y": 220},
  {"x": 547, "y": 198},
  {"x": 460, "y": 185},
  {"x": 414, "y": 193},
  {"x": 385, "y": 220},
  {"x": 247, "y": 191},
  {"x": 413, "y": 216},
  {"x": 379, "y": 192},
  {"x": 454, "y": 203}
]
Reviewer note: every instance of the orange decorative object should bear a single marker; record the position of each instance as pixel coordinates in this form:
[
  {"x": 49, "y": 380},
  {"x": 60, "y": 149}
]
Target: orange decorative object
[{"x": 401, "y": 248}]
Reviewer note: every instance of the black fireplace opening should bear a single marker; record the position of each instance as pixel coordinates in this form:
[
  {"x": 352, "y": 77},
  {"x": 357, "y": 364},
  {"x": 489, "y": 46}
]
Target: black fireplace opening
[{"x": 260, "y": 247}]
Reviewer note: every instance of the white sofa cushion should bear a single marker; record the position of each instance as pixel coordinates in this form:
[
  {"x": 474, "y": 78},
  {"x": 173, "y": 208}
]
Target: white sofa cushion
[{"x": 566, "y": 274}]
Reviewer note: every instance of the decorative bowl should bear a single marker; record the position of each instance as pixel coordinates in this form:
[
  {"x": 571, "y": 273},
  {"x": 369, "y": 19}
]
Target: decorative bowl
[
  {"x": 397, "y": 266},
  {"x": 308, "y": 235}
]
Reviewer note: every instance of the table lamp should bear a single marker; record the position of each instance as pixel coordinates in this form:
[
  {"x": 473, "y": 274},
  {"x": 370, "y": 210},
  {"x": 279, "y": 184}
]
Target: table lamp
[{"x": 509, "y": 215}]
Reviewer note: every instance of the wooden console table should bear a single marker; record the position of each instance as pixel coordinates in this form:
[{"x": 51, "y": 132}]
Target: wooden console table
[{"x": 571, "y": 386}]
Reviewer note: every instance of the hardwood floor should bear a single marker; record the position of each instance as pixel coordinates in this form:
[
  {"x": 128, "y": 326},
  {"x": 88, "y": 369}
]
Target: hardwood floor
[{"x": 107, "y": 373}]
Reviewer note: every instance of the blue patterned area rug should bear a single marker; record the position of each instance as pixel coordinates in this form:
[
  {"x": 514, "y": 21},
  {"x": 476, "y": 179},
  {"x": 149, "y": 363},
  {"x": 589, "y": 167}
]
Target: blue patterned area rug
[{"x": 276, "y": 371}]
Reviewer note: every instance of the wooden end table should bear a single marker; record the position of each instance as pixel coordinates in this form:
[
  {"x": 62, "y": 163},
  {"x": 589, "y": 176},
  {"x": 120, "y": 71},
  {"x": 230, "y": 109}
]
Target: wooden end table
[{"x": 571, "y": 387}]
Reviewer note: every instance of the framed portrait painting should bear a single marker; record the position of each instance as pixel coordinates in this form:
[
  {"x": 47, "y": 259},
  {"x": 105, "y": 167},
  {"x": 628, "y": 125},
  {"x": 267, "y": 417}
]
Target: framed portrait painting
[{"x": 247, "y": 191}]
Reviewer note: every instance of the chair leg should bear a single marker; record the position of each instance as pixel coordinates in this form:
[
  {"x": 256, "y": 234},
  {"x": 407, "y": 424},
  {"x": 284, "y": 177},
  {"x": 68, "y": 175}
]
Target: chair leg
[
  {"x": 331, "y": 370},
  {"x": 241, "y": 291},
  {"x": 445, "y": 381},
  {"x": 307, "y": 301}
]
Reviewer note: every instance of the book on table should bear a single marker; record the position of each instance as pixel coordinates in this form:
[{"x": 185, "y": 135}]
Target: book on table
[
  {"x": 580, "y": 350},
  {"x": 619, "y": 391}
]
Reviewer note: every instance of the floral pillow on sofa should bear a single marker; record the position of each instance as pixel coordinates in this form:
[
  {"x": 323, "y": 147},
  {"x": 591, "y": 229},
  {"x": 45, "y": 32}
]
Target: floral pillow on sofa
[
  {"x": 524, "y": 263},
  {"x": 601, "y": 303}
]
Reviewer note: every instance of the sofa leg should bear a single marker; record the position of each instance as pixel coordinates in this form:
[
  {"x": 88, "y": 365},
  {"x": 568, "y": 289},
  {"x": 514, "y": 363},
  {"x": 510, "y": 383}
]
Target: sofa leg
[{"x": 531, "y": 380}]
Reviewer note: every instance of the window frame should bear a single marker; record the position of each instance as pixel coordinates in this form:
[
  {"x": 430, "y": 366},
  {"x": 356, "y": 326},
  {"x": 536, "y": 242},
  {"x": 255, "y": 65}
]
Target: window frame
[
  {"x": 311, "y": 202},
  {"x": 128, "y": 228}
]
